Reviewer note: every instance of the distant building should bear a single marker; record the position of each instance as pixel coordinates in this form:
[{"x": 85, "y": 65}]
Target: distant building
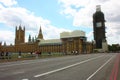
[
  {"x": 69, "y": 42},
  {"x": 99, "y": 30}
]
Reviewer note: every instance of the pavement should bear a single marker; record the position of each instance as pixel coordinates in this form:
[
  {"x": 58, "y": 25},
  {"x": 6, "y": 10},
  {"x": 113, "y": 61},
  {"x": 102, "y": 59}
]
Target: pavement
[{"x": 102, "y": 66}]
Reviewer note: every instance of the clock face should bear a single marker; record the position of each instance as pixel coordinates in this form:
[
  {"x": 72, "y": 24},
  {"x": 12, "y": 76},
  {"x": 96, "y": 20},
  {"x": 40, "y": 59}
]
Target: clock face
[{"x": 98, "y": 24}]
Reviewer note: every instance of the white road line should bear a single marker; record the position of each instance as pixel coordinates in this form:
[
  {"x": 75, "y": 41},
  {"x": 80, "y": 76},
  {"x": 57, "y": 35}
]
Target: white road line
[
  {"x": 99, "y": 69},
  {"x": 53, "y": 71},
  {"x": 18, "y": 72},
  {"x": 23, "y": 62},
  {"x": 25, "y": 79}
]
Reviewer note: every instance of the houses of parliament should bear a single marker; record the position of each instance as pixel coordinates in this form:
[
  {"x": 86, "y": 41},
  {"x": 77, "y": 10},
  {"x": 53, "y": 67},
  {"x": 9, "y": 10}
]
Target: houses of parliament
[{"x": 68, "y": 43}]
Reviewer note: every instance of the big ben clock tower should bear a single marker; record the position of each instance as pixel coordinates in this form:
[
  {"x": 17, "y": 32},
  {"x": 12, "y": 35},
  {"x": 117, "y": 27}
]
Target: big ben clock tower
[{"x": 99, "y": 29}]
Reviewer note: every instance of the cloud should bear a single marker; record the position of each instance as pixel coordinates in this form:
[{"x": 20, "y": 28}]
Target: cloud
[
  {"x": 88, "y": 35},
  {"x": 83, "y": 10},
  {"x": 14, "y": 16},
  {"x": 8, "y": 3},
  {"x": 6, "y": 35}
]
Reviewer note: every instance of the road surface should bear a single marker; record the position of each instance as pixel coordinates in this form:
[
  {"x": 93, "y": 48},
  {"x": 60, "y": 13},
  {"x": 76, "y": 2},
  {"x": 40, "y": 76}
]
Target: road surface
[{"x": 102, "y": 66}]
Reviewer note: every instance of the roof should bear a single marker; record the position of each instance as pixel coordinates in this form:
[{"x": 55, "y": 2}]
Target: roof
[
  {"x": 76, "y": 33},
  {"x": 50, "y": 42}
]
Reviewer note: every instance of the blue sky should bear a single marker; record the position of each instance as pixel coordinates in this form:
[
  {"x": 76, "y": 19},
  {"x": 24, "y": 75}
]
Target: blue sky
[
  {"x": 48, "y": 10},
  {"x": 56, "y": 16}
]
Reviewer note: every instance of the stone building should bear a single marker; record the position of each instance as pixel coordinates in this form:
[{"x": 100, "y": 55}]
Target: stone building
[{"x": 69, "y": 42}]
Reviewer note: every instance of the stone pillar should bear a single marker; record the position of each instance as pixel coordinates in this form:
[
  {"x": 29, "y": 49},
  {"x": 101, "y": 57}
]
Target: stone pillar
[{"x": 80, "y": 46}]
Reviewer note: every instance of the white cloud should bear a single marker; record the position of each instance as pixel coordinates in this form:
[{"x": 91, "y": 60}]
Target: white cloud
[
  {"x": 83, "y": 10},
  {"x": 14, "y": 16},
  {"x": 8, "y": 3},
  {"x": 88, "y": 35},
  {"x": 6, "y": 35},
  {"x": 52, "y": 31},
  {"x": 113, "y": 32}
]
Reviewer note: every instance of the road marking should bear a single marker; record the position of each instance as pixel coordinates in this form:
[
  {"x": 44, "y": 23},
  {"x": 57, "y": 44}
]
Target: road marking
[
  {"x": 99, "y": 69},
  {"x": 24, "y": 62},
  {"x": 53, "y": 71},
  {"x": 18, "y": 72},
  {"x": 25, "y": 79}
]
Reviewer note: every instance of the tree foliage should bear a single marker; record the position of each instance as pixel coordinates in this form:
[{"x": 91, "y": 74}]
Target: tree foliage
[{"x": 114, "y": 48}]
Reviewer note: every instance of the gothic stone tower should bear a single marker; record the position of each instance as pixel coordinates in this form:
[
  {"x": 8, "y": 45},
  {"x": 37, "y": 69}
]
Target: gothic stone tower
[
  {"x": 19, "y": 35},
  {"x": 99, "y": 27}
]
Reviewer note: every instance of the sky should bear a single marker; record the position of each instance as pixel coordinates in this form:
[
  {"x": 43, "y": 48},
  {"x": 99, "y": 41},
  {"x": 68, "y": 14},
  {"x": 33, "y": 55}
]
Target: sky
[{"x": 56, "y": 16}]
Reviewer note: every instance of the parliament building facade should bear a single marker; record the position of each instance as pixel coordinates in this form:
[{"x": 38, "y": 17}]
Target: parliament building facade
[{"x": 69, "y": 42}]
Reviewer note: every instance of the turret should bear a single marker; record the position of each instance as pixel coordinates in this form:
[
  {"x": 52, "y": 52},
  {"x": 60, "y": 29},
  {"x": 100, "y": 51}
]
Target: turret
[
  {"x": 16, "y": 29},
  {"x": 33, "y": 39},
  {"x": 40, "y": 35},
  {"x": 20, "y": 27},
  {"x": 0, "y": 43},
  {"x": 4, "y": 43},
  {"x": 29, "y": 39}
]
